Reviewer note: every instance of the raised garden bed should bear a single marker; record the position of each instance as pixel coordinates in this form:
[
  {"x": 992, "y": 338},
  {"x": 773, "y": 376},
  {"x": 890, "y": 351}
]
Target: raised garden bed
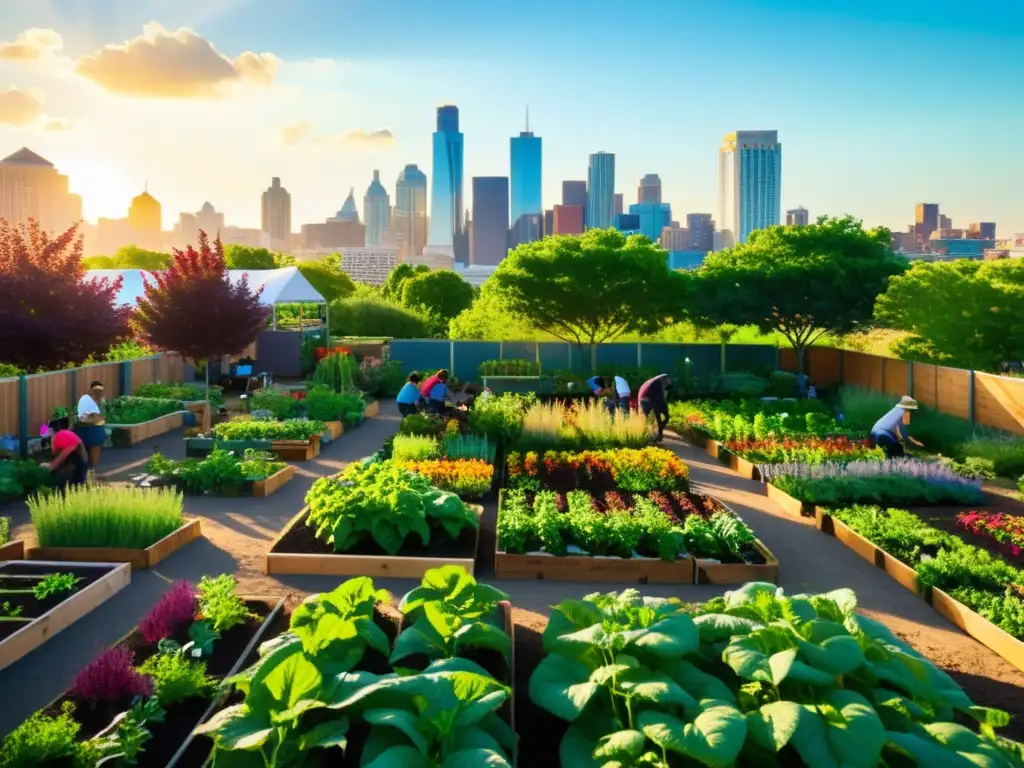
[
  {"x": 296, "y": 450},
  {"x": 583, "y": 568},
  {"x": 130, "y": 434},
  {"x": 335, "y": 429},
  {"x": 274, "y": 483},
  {"x": 297, "y": 550},
  {"x": 99, "y": 582},
  {"x": 713, "y": 572},
  {"x": 139, "y": 559},
  {"x": 372, "y": 409},
  {"x": 978, "y": 627},
  {"x": 13, "y": 550},
  {"x": 792, "y": 507},
  {"x": 200, "y": 447}
]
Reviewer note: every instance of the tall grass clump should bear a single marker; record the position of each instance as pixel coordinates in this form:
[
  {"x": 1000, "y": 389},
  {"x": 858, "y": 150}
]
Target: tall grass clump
[
  {"x": 414, "y": 448},
  {"x": 597, "y": 428},
  {"x": 109, "y": 516},
  {"x": 544, "y": 423}
]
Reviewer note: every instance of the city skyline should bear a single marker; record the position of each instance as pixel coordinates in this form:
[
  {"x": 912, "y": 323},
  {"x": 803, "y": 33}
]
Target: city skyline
[{"x": 321, "y": 111}]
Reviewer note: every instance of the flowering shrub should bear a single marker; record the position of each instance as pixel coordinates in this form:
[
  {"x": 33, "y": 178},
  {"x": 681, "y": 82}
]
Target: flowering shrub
[
  {"x": 1008, "y": 530},
  {"x": 638, "y": 470},
  {"x": 812, "y": 450},
  {"x": 111, "y": 678},
  {"x": 172, "y": 612},
  {"x": 471, "y": 478}
]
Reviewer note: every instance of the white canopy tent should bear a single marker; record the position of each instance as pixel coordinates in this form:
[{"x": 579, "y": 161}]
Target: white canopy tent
[{"x": 280, "y": 286}]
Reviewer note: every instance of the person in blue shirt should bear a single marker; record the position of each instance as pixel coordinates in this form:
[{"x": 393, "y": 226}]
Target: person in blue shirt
[
  {"x": 891, "y": 431},
  {"x": 409, "y": 398},
  {"x": 596, "y": 384},
  {"x": 439, "y": 394}
]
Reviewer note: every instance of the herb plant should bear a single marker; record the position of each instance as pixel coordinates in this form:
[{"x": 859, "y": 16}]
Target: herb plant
[
  {"x": 292, "y": 429},
  {"x": 218, "y": 604},
  {"x": 46, "y": 740},
  {"x": 110, "y": 677},
  {"x": 414, "y": 448},
  {"x": 55, "y": 584},
  {"x": 176, "y": 678},
  {"x": 185, "y": 392},
  {"x": 20, "y": 478},
  {"x": 136, "y": 410}
]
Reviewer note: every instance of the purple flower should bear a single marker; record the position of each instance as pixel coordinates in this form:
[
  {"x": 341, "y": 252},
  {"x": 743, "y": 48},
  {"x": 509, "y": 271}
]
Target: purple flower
[{"x": 111, "y": 678}]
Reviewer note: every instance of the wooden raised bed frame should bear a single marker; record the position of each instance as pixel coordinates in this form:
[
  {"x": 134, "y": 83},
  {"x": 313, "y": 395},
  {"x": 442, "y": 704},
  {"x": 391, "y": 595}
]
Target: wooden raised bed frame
[
  {"x": 708, "y": 572},
  {"x": 981, "y": 629},
  {"x": 139, "y": 559},
  {"x": 372, "y": 409},
  {"x": 336, "y": 428},
  {"x": 792, "y": 507},
  {"x": 398, "y": 567},
  {"x": 161, "y": 425},
  {"x": 296, "y": 450},
  {"x": 62, "y": 616},
  {"x": 586, "y": 568},
  {"x": 13, "y": 550},
  {"x": 263, "y": 488}
]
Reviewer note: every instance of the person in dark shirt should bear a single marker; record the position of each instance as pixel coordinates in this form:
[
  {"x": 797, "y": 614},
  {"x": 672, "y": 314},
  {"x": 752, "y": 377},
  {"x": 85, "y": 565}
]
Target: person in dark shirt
[{"x": 652, "y": 399}]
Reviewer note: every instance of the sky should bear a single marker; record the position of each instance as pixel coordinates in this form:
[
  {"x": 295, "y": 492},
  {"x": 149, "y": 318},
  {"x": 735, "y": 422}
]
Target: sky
[{"x": 879, "y": 104}]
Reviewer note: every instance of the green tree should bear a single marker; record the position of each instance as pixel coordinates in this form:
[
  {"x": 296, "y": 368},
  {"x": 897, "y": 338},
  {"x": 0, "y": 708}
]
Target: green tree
[
  {"x": 247, "y": 257},
  {"x": 133, "y": 257},
  {"x": 99, "y": 262},
  {"x": 330, "y": 283},
  {"x": 970, "y": 313},
  {"x": 488, "y": 318},
  {"x": 800, "y": 281},
  {"x": 395, "y": 283},
  {"x": 442, "y": 294},
  {"x": 591, "y": 288},
  {"x": 362, "y": 315}
]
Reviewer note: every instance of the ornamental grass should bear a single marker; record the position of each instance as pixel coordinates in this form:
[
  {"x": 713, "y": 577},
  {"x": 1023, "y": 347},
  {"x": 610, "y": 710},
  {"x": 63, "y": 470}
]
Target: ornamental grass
[{"x": 107, "y": 516}]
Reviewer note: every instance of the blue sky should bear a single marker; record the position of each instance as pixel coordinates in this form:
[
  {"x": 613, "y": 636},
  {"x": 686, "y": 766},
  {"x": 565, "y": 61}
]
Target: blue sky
[{"x": 877, "y": 107}]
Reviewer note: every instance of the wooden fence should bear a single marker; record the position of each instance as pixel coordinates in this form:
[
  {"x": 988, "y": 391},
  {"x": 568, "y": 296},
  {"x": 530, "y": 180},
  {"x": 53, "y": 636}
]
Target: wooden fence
[
  {"x": 27, "y": 402},
  {"x": 982, "y": 398}
]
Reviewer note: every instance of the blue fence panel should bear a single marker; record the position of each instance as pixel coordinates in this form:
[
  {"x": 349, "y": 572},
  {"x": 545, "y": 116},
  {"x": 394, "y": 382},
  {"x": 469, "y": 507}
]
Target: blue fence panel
[
  {"x": 756, "y": 358},
  {"x": 622, "y": 356},
  {"x": 519, "y": 350},
  {"x": 664, "y": 358},
  {"x": 423, "y": 355},
  {"x": 555, "y": 356},
  {"x": 469, "y": 355}
]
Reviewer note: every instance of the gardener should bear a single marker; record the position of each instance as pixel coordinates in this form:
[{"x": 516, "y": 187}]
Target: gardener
[
  {"x": 68, "y": 451},
  {"x": 438, "y": 394},
  {"x": 89, "y": 426},
  {"x": 890, "y": 432},
  {"x": 596, "y": 385},
  {"x": 652, "y": 400},
  {"x": 622, "y": 394},
  {"x": 410, "y": 397}
]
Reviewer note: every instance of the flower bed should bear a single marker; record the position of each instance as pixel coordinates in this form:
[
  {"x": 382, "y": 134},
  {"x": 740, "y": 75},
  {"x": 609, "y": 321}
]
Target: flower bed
[
  {"x": 40, "y": 599},
  {"x": 788, "y": 691},
  {"x": 811, "y": 450},
  {"x": 148, "y": 692},
  {"x": 635, "y": 470},
  {"x": 222, "y": 473},
  {"x": 455, "y": 712},
  {"x": 467, "y": 478},
  {"x": 377, "y": 516},
  {"x": 1007, "y": 530}
]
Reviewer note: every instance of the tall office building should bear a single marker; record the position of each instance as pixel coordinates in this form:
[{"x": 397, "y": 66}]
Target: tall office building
[
  {"x": 377, "y": 210},
  {"x": 653, "y": 217},
  {"x": 749, "y": 184},
  {"x": 489, "y": 235},
  {"x": 31, "y": 188},
  {"x": 446, "y": 203},
  {"x": 575, "y": 193},
  {"x": 702, "y": 232},
  {"x": 567, "y": 220},
  {"x": 526, "y": 171},
  {"x": 619, "y": 202},
  {"x": 984, "y": 230},
  {"x": 798, "y": 217},
  {"x": 601, "y": 191},
  {"x": 549, "y": 221},
  {"x": 926, "y": 219},
  {"x": 276, "y": 211},
  {"x": 145, "y": 218},
  {"x": 410, "y": 215},
  {"x": 945, "y": 222},
  {"x": 649, "y": 190}
]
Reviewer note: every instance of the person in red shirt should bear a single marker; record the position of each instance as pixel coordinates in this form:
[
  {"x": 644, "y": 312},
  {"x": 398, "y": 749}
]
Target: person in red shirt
[
  {"x": 433, "y": 381},
  {"x": 69, "y": 451}
]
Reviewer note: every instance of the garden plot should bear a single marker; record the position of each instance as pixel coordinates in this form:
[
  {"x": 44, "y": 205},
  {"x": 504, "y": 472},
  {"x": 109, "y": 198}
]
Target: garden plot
[
  {"x": 130, "y": 420},
  {"x": 221, "y": 473}
]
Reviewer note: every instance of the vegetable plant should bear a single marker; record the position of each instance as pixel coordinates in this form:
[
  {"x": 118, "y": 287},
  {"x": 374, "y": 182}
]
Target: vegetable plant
[
  {"x": 636, "y": 470},
  {"x": 218, "y": 604},
  {"x": 136, "y": 410},
  {"x": 414, "y": 448},
  {"x": 221, "y": 473},
  {"x": 324, "y": 404},
  {"x": 176, "y": 678},
  {"x": 421, "y": 424},
  {"x": 185, "y": 392},
  {"x": 111, "y": 677},
  {"x": 292, "y": 429},
  {"x": 279, "y": 402},
  {"x": 172, "y": 613},
  {"x": 21, "y": 477}
]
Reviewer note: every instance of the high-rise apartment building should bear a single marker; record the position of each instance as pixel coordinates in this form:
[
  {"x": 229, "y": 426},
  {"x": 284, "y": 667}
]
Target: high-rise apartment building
[
  {"x": 31, "y": 188},
  {"x": 410, "y": 215},
  {"x": 926, "y": 220},
  {"x": 525, "y": 162},
  {"x": 489, "y": 236},
  {"x": 145, "y": 219},
  {"x": 798, "y": 217},
  {"x": 749, "y": 183},
  {"x": 377, "y": 210},
  {"x": 567, "y": 220},
  {"x": 549, "y": 221},
  {"x": 348, "y": 210},
  {"x": 601, "y": 191},
  {"x": 276, "y": 210},
  {"x": 574, "y": 193},
  {"x": 446, "y": 203},
  {"x": 674, "y": 238},
  {"x": 653, "y": 218},
  {"x": 649, "y": 190},
  {"x": 701, "y": 227}
]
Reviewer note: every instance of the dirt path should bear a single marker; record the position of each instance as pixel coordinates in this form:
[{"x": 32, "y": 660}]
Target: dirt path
[{"x": 237, "y": 532}]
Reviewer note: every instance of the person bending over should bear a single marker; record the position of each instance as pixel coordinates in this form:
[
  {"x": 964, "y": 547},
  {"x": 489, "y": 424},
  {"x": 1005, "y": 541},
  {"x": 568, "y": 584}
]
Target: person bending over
[
  {"x": 653, "y": 401},
  {"x": 891, "y": 432},
  {"x": 438, "y": 394},
  {"x": 410, "y": 397},
  {"x": 69, "y": 452}
]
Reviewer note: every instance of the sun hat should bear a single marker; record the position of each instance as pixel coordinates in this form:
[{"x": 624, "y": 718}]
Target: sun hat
[{"x": 908, "y": 403}]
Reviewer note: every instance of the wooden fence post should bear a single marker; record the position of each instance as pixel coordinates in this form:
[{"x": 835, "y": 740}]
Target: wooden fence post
[
  {"x": 23, "y": 416},
  {"x": 639, "y": 355},
  {"x": 72, "y": 390},
  {"x": 910, "y": 378},
  {"x": 970, "y": 395},
  {"x": 451, "y": 357}
]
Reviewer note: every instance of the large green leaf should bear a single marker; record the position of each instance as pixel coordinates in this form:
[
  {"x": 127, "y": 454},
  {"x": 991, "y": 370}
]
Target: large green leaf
[
  {"x": 562, "y": 687},
  {"x": 419, "y": 638},
  {"x": 473, "y": 712},
  {"x": 837, "y": 655},
  {"x": 333, "y": 733},
  {"x": 238, "y": 728},
  {"x": 698, "y": 683},
  {"x": 773, "y": 725},
  {"x": 715, "y": 627},
  {"x": 671, "y": 638},
  {"x": 576, "y": 749},
  {"x": 621, "y": 745},
  {"x": 748, "y": 593},
  {"x": 477, "y": 634},
  {"x": 475, "y": 758},
  {"x": 655, "y": 688},
  {"x": 714, "y": 738},
  {"x": 845, "y": 732},
  {"x": 398, "y": 757},
  {"x": 981, "y": 752},
  {"x": 567, "y": 617},
  {"x": 401, "y": 720},
  {"x": 288, "y": 684}
]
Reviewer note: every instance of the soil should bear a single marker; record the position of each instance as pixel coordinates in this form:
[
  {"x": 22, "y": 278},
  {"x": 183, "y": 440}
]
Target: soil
[
  {"x": 301, "y": 539},
  {"x": 30, "y": 607}
]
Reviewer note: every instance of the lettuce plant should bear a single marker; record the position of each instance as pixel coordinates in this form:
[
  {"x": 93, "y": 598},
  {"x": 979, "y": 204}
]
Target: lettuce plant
[{"x": 755, "y": 678}]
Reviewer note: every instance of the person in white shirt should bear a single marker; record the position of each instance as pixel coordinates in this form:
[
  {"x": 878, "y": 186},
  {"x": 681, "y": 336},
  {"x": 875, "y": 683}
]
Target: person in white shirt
[
  {"x": 890, "y": 432},
  {"x": 622, "y": 393},
  {"x": 90, "y": 421}
]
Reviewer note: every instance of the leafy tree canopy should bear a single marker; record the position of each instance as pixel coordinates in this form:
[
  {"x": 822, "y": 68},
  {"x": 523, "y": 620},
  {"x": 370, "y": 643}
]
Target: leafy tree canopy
[
  {"x": 802, "y": 281},
  {"x": 970, "y": 313},
  {"x": 194, "y": 309},
  {"x": 331, "y": 283},
  {"x": 51, "y": 314},
  {"x": 395, "y": 283},
  {"x": 442, "y": 293},
  {"x": 366, "y": 315},
  {"x": 590, "y": 288},
  {"x": 133, "y": 257},
  {"x": 247, "y": 257},
  {"x": 489, "y": 318}
]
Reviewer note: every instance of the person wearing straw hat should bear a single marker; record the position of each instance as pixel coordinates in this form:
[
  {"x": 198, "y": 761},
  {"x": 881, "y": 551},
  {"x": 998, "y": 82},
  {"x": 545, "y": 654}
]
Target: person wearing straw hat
[{"x": 890, "y": 432}]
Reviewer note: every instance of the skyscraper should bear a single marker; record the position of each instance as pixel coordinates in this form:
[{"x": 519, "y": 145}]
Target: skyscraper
[
  {"x": 525, "y": 164},
  {"x": 31, "y": 188},
  {"x": 574, "y": 193},
  {"x": 619, "y": 202},
  {"x": 348, "y": 210},
  {"x": 446, "y": 202},
  {"x": 649, "y": 190},
  {"x": 410, "y": 215},
  {"x": 702, "y": 232},
  {"x": 489, "y": 235},
  {"x": 145, "y": 215},
  {"x": 749, "y": 183},
  {"x": 653, "y": 217},
  {"x": 926, "y": 219},
  {"x": 601, "y": 191},
  {"x": 276, "y": 211},
  {"x": 798, "y": 217},
  {"x": 377, "y": 209},
  {"x": 567, "y": 220}
]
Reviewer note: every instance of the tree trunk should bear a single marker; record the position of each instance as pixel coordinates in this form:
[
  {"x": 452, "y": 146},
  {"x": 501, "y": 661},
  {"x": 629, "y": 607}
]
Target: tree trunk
[
  {"x": 207, "y": 411},
  {"x": 801, "y": 380},
  {"x": 593, "y": 357}
]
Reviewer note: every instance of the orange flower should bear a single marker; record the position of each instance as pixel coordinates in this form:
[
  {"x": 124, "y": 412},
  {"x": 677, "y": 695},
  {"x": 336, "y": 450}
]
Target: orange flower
[{"x": 466, "y": 477}]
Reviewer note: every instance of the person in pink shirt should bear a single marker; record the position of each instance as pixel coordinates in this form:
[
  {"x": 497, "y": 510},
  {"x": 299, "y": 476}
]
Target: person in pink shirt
[
  {"x": 69, "y": 451},
  {"x": 432, "y": 382}
]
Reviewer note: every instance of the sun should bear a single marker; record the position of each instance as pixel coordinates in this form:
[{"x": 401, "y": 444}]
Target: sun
[{"x": 105, "y": 189}]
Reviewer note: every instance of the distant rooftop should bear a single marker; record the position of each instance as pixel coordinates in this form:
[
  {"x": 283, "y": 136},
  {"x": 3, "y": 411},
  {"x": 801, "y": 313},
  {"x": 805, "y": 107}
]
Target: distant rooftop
[{"x": 26, "y": 156}]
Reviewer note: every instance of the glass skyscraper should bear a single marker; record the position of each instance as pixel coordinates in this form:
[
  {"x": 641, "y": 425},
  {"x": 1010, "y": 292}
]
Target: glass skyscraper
[
  {"x": 377, "y": 209},
  {"x": 525, "y": 164},
  {"x": 446, "y": 204},
  {"x": 489, "y": 233},
  {"x": 653, "y": 218},
  {"x": 749, "y": 184},
  {"x": 410, "y": 214},
  {"x": 601, "y": 191}
]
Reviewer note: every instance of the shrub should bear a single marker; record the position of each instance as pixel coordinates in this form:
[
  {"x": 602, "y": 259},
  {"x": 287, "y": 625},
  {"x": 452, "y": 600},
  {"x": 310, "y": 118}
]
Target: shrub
[
  {"x": 377, "y": 377},
  {"x": 186, "y": 392},
  {"x": 337, "y": 371},
  {"x": 508, "y": 367},
  {"x": 278, "y": 401},
  {"x": 45, "y": 740},
  {"x": 369, "y": 316},
  {"x": 740, "y": 384},
  {"x": 108, "y": 516},
  {"x": 172, "y": 613},
  {"x": 110, "y": 678},
  {"x": 324, "y": 404},
  {"x": 422, "y": 424},
  {"x": 1004, "y": 454},
  {"x": 500, "y": 418}
]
